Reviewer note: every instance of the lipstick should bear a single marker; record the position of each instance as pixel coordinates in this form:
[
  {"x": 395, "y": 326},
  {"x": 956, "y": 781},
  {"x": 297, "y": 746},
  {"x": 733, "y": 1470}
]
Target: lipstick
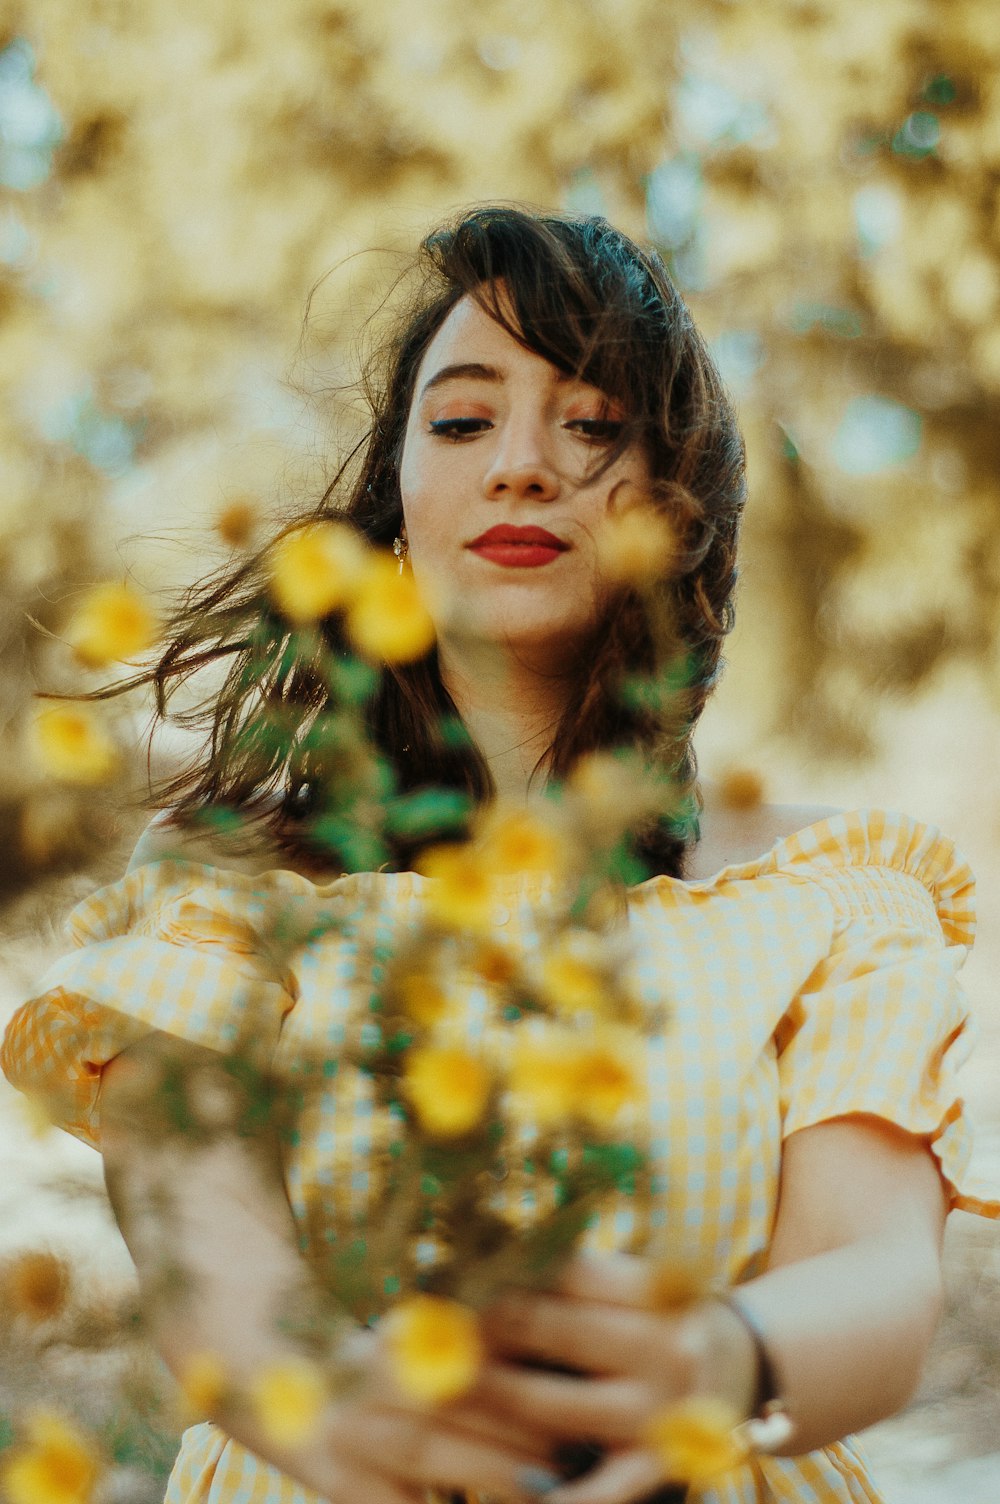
[{"x": 518, "y": 547}]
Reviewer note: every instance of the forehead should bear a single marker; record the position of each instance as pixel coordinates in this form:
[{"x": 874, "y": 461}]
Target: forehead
[{"x": 469, "y": 335}]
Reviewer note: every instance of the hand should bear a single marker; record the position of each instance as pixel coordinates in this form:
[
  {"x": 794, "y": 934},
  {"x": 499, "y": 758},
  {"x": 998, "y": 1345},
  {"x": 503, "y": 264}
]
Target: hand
[
  {"x": 631, "y": 1360},
  {"x": 376, "y": 1445}
]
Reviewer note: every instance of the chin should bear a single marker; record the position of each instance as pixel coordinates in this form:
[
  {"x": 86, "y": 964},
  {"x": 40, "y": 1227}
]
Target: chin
[
  {"x": 547, "y": 639},
  {"x": 517, "y": 616}
]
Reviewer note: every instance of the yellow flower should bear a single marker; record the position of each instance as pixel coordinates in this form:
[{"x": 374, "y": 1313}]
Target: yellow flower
[
  {"x": 317, "y": 569},
  {"x": 598, "y": 777},
  {"x": 434, "y": 1347},
  {"x": 572, "y": 972},
  {"x": 636, "y": 546},
  {"x": 741, "y": 788},
  {"x": 615, "y": 791},
  {"x": 51, "y": 826},
  {"x": 111, "y": 622},
  {"x": 559, "y": 1072},
  {"x": 71, "y": 744},
  {"x": 494, "y": 963},
  {"x": 237, "y": 521},
  {"x": 203, "y": 1385},
  {"x": 607, "y": 1077},
  {"x": 35, "y": 1285},
  {"x": 460, "y": 895},
  {"x": 694, "y": 1440},
  {"x": 35, "y": 1115},
  {"x": 57, "y": 1464},
  {"x": 676, "y": 1284},
  {"x": 288, "y": 1397},
  {"x": 449, "y": 1088},
  {"x": 514, "y": 841},
  {"x": 387, "y": 620},
  {"x": 543, "y": 1075},
  {"x": 423, "y": 997}
]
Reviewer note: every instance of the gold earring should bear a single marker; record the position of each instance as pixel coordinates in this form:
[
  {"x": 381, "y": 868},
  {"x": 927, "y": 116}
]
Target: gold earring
[{"x": 401, "y": 547}]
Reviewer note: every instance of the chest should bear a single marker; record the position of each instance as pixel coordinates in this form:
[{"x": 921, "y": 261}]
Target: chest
[{"x": 717, "y": 977}]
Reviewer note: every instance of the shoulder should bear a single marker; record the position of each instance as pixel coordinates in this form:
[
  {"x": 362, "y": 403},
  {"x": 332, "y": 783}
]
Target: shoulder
[
  {"x": 165, "y": 841},
  {"x": 733, "y": 836},
  {"x": 871, "y": 863}
]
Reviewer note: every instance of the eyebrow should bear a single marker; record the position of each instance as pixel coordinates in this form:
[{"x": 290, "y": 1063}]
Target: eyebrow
[{"x": 475, "y": 371}]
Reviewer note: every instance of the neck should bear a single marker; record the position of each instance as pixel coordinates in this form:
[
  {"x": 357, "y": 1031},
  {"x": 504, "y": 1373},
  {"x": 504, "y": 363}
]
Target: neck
[{"x": 511, "y": 711}]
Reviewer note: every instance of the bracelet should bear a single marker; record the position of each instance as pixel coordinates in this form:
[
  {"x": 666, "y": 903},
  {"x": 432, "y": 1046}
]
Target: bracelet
[{"x": 770, "y": 1425}]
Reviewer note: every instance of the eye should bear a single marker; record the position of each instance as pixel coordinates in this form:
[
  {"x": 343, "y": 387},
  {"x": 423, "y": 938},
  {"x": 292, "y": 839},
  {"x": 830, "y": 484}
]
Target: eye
[
  {"x": 597, "y": 430},
  {"x": 459, "y": 428}
]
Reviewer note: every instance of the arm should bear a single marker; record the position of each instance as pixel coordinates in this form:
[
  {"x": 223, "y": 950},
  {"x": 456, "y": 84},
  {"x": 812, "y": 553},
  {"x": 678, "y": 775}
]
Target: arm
[
  {"x": 219, "y": 1214},
  {"x": 848, "y": 1306},
  {"x": 853, "y": 1292}
]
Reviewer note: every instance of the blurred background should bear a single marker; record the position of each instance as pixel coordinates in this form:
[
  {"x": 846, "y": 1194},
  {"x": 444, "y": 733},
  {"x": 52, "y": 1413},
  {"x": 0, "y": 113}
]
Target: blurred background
[{"x": 823, "y": 180}]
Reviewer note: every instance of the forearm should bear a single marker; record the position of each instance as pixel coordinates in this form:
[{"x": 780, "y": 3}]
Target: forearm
[
  {"x": 848, "y": 1331},
  {"x": 214, "y": 1245}
]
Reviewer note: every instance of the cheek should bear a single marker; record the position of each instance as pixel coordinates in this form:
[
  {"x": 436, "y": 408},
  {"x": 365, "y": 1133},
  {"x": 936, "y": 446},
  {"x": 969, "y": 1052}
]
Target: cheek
[
  {"x": 423, "y": 476},
  {"x": 429, "y": 517},
  {"x": 409, "y": 469}
]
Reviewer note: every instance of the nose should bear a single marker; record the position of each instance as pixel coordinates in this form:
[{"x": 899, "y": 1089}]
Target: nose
[{"x": 520, "y": 468}]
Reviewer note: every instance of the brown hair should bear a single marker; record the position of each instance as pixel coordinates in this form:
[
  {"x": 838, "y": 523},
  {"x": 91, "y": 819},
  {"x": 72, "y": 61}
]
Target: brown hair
[{"x": 586, "y": 298}]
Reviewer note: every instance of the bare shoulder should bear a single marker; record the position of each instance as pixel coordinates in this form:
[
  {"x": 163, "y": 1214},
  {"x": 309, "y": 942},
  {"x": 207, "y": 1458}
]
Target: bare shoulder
[
  {"x": 731, "y": 835},
  {"x": 163, "y": 841}
]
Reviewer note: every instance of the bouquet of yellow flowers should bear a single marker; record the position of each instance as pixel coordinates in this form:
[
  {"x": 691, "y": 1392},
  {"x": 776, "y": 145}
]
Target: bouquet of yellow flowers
[{"x": 511, "y": 1086}]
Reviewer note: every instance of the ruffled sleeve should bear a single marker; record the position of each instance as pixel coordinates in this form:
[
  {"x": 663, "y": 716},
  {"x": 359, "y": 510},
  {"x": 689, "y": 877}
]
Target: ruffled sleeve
[
  {"x": 882, "y": 1025},
  {"x": 174, "y": 946}
]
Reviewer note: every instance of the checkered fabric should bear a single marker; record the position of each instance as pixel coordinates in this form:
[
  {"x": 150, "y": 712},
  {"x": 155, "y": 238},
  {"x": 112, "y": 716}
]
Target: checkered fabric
[{"x": 816, "y": 981}]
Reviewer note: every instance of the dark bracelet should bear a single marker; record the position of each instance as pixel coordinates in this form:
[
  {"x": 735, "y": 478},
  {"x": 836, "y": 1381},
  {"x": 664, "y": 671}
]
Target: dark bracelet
[
  {"x": 768, "y": 1388},
  {"x": 769, "y": 1425}
]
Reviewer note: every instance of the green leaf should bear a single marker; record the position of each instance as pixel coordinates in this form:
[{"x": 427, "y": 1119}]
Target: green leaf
[
  {"x": 332, "y": 729},
  {"x": 612, "y": 1162},
  {"x": 359, "y": 850},
  {"x": 940, "y": 89},
  {"x": 625, "y": 865},
  {"x": 661, "y": 691},
  {"x": 350, "y": 679},
  {"x": 220, "y": 818},
  {"x": 453, "y": 733},
  {"x": 382, "y": 779},
  {"x": 427, "y": 812}
]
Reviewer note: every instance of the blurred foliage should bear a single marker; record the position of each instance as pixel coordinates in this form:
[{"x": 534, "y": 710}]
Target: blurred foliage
[{"x": 822, "y": 176}]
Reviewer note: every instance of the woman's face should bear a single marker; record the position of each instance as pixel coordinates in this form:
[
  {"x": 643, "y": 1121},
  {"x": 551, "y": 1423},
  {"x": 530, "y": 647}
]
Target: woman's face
[{"x": 499, "y": 439}]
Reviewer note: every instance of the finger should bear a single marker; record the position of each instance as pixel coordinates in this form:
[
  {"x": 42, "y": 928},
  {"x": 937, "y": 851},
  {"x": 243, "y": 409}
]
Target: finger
[
  {"x": 342, "y": 1482},
  {"x": 416, "y": 1448},
  {"x": 621, "y": 1478},
  {"x": 582, "y": 1334},
  {"x": 617, "y": 1278},
  {"x": 353, "y": 1485},
  {"x": 479, "y": 1419},
  {"x": 608, "y": 1410}
]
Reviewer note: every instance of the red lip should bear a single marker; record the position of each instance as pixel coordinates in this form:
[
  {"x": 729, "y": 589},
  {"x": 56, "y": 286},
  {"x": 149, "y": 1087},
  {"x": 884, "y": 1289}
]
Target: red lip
[{"x": 506, "y": 533}]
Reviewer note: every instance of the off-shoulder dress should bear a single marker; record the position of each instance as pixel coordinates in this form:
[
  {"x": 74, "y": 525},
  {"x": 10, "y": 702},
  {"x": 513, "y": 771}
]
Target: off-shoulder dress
[{"x": 816, "y": 981}]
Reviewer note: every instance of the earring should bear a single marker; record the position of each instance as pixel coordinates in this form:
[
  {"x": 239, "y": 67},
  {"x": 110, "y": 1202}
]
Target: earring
[{"x": 401, "y": 547}]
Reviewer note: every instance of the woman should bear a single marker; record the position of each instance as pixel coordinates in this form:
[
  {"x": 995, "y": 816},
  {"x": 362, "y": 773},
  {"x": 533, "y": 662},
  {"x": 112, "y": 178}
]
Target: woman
[{"x": 807, "y": 1140}]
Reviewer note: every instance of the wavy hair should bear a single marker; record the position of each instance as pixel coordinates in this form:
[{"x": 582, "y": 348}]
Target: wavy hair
[{"x": 586, "y": 298}]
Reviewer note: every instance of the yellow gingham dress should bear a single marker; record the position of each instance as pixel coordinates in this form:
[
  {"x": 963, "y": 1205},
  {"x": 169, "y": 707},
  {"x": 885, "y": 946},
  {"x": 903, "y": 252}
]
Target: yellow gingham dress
[{"x": 814, "y": 981}]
